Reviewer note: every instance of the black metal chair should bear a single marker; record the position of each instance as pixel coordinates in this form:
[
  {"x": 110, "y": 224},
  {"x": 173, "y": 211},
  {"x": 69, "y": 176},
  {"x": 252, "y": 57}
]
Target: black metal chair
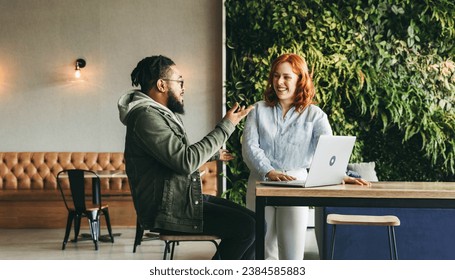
[
  {"x": 80, "y": 203},
  {"x": 170, "y": 239},
  {"x": 139, "y": 237}
]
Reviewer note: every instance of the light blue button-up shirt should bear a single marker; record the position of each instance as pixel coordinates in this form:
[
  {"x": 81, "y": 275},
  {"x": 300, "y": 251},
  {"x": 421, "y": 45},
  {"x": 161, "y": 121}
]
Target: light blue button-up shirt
[{"x": 271, "y": 141}]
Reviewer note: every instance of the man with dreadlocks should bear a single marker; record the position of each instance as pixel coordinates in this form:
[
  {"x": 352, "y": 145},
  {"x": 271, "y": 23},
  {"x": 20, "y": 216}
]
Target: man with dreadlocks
[{"x": 162, "y": 166}]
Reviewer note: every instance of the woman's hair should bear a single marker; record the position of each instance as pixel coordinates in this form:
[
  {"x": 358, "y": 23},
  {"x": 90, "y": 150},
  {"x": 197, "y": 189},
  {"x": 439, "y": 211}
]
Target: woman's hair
[
  {"x": 305, "y": 88},
  {"x": 149, "y": 70}
]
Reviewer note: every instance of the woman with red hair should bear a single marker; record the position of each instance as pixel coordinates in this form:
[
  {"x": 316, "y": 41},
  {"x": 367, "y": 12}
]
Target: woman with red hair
[{"x": 279, "y": 141}]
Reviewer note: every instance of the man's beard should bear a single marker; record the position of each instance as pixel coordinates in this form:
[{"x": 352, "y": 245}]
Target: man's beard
[{"x": 174, "y": 104}]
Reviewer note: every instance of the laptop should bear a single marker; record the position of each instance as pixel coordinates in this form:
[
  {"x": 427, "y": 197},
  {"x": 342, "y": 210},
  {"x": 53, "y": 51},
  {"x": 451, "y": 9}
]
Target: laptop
[{"x": 328, "y": 166}]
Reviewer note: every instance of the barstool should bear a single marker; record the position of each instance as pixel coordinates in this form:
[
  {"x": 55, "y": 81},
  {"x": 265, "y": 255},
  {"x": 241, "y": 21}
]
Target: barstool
[{"x": 366, "y": 220}]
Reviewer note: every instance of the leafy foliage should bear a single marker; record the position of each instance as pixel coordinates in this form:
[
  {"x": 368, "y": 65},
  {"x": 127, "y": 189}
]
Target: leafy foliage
[{"x": 383, "y": 69}]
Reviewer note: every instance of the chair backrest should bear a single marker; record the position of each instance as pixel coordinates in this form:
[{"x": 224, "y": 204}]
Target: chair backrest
[{"x": 76, "y": 180}]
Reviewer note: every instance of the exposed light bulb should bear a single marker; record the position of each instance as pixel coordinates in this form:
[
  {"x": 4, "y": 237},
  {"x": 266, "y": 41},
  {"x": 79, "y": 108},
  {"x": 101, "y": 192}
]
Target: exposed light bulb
[{"x": 80, "y": 63}]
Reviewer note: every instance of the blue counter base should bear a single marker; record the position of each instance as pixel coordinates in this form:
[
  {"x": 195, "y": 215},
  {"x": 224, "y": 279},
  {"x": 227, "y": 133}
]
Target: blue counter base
[{"x": 424, "y": 234}]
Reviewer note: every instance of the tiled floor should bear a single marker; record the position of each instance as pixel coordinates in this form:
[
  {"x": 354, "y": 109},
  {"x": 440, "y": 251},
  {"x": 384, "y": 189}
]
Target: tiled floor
[{"x": 45, "y": 244}]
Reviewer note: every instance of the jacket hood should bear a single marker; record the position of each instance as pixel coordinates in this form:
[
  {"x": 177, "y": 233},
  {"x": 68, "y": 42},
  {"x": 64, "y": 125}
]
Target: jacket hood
[
  {"x": 136, "y": 99},
  {"x": 131, "y": 100}
]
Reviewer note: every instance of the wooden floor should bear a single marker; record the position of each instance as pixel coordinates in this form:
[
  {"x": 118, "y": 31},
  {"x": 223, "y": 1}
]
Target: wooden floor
[{"x": 45, "y": 244}]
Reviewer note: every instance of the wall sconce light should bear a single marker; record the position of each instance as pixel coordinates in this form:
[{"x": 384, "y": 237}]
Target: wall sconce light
[{"x": 80, "y": 63}]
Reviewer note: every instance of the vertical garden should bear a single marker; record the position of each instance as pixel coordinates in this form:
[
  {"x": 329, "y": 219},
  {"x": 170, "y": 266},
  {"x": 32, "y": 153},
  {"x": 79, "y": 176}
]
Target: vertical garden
[{"x": 384, "y": 71}]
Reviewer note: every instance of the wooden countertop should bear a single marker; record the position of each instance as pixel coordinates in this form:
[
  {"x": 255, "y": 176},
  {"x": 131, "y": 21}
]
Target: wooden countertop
[{"x": 420, "y": 190}]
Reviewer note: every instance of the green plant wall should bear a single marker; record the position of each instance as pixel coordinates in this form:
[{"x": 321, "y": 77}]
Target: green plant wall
[{"x": 383, "y": 70}]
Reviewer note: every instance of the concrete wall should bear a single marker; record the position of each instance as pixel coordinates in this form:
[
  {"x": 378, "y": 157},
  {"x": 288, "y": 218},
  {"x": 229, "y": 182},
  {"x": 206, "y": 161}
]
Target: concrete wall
[{"x": 44, "y": 108}]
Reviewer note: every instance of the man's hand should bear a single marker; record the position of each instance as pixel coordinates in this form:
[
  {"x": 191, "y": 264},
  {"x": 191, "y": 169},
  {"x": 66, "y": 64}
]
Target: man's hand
[
  {"x": 237, "y": 113},
  {"x": 225, "y": 155}
]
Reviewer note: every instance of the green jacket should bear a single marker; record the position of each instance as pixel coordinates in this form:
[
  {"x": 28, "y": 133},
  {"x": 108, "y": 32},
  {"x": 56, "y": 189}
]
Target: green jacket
[{"x": 162, "y": 166}]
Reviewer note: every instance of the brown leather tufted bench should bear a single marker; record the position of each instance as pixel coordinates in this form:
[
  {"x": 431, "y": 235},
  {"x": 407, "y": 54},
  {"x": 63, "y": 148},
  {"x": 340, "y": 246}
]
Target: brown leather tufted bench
[{"x": 29, "y": 197}]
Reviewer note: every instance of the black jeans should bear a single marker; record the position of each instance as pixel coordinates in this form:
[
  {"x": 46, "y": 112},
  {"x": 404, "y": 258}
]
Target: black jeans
[{"x": 234, "y": 224}]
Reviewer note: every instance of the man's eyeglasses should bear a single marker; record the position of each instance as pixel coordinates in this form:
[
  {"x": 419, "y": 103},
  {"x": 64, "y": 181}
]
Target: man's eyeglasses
[{"x": 178, "y": 81}]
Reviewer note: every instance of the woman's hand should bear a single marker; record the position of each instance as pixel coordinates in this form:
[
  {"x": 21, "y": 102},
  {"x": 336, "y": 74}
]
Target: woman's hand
[
  {"x": 356, "y": 181},
  {"x": 279, "y": 176},
  {"x": 225, "y": 155}
]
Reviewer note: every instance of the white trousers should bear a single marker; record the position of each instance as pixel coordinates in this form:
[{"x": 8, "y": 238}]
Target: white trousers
[
  {"x": 285, "y": 232},
  {"x": 286, "y": 228}
]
